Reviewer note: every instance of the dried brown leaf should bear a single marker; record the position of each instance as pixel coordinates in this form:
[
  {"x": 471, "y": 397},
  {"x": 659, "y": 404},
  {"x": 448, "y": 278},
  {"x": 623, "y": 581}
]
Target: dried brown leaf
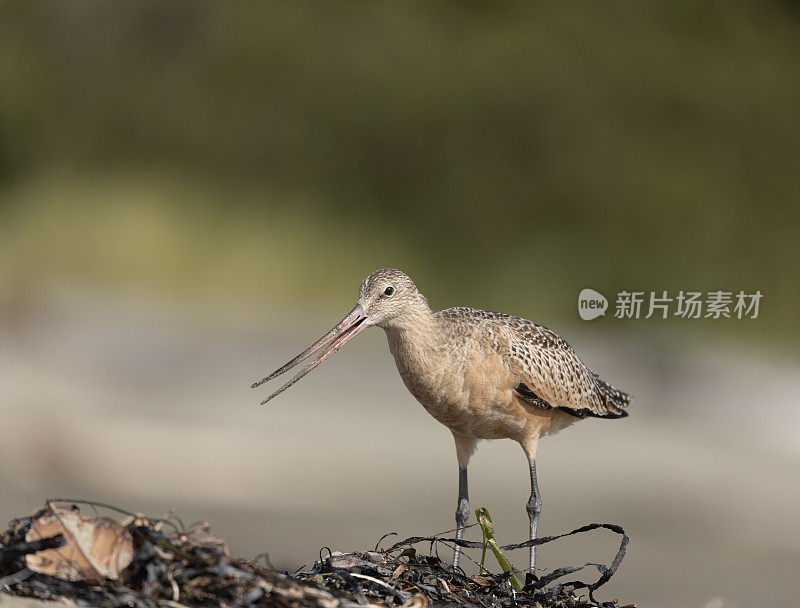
[{"x": 95, "y": 547}]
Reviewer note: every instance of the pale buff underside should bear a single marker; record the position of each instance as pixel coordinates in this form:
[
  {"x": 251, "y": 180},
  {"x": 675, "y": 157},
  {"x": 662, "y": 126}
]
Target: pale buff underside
[{"x": 470, "y": 390}]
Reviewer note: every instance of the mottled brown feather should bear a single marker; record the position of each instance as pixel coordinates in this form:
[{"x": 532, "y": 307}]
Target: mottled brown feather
[{"x": 543, "y": 362}]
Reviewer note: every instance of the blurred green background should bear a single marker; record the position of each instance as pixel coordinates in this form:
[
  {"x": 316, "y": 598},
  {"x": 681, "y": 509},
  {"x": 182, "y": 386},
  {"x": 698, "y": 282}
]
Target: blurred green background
[
  {"x": 190, "y": 192},
  {"x": 505, "y": 155}
]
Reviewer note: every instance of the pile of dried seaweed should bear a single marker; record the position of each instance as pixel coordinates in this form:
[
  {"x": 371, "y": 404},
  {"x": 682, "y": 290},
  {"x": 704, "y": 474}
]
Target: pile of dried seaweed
[{"x": 141, "y": 561}]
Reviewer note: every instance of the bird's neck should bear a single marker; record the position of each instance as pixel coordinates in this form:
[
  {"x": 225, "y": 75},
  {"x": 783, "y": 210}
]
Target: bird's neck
[{"x": 414, "y": 341}]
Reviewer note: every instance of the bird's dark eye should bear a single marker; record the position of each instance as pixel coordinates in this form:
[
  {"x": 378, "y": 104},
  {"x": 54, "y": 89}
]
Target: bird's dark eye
[{"x": 389, "y": 290}]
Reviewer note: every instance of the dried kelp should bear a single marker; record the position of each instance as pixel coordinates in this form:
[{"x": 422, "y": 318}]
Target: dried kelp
[{"x": 176, "y": 565}]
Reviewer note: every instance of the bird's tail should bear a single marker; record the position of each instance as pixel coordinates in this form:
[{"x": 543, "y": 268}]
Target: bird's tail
[{"x": 615, "y": 399}]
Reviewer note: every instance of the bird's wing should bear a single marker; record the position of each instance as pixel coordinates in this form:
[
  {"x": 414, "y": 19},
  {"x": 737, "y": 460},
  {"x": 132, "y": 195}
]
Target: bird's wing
[{"x": 550, "y": 373}]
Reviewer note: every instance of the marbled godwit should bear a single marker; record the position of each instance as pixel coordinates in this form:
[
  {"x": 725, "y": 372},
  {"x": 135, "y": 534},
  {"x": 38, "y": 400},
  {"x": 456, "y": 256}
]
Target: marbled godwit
[{"x": 484, "y": 375}]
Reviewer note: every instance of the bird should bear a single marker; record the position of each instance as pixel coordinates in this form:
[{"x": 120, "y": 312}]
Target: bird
[{"x": 483, "y": 375}]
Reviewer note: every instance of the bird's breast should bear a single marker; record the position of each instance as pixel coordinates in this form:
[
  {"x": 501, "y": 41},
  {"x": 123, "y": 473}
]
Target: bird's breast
[{"x": 468, "y": 389}]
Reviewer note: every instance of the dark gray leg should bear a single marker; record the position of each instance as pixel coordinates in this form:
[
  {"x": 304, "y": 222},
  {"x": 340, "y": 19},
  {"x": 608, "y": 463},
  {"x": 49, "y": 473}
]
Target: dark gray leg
[
  {"x": 534, "y": 508},
  {"x": 462, "y": 511}
]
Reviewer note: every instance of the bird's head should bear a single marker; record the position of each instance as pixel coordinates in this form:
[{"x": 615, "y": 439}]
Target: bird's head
[{"x": 390, "y": 299}]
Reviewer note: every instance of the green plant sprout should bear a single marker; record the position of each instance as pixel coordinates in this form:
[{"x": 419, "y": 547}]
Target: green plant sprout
[{"x": 487, "y": 528}]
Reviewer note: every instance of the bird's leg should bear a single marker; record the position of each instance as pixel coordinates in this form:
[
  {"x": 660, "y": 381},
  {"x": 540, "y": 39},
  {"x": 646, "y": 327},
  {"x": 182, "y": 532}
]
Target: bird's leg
[
  {"x": 534, "y": 508},
  {"x": 462, "y": 511}
]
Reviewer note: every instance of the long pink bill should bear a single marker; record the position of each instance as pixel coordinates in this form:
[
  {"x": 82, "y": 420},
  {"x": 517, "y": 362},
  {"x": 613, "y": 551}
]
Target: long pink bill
[{"x": 344, "y": 331}]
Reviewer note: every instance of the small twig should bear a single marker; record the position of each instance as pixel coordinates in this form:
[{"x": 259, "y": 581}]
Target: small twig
[
  {"x": 301, "y": 567},
  {"x": 375, "y": 580},
  {"x": 105, "y": 505},
  {"x": 176, "y": 591},
  {"x": 378, "y": 544},
  {"x": 92, "y": 503},
  {"x": 456, "y": 529}
]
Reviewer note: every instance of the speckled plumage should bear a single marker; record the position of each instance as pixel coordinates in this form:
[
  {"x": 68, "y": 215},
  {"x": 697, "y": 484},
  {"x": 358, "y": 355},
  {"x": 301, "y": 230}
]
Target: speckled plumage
[{"x": 544, "y": 362}]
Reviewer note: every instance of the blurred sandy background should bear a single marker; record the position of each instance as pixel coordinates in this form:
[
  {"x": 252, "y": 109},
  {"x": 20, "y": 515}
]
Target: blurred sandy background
[{"x": 191, "y": 193}]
